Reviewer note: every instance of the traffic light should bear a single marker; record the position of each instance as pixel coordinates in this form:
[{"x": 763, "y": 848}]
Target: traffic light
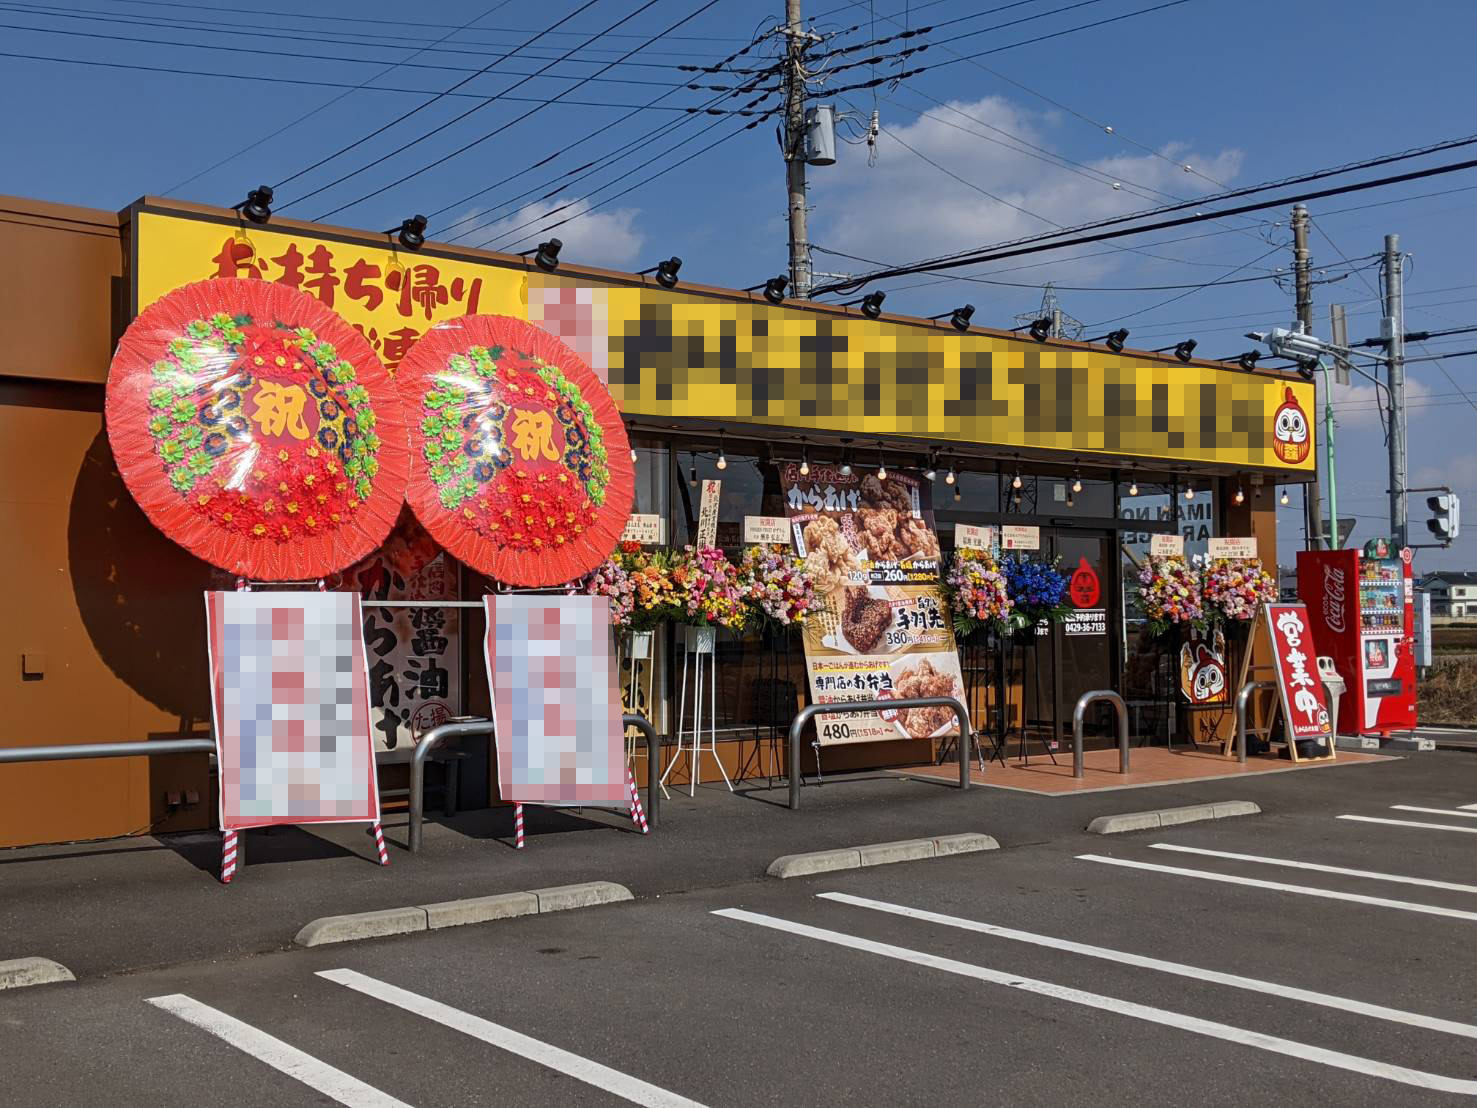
[{"x": 1446, "y": 515}]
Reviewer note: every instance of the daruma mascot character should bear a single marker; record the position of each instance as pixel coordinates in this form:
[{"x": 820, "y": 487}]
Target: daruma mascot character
[{"x": 1290, "y": 431}]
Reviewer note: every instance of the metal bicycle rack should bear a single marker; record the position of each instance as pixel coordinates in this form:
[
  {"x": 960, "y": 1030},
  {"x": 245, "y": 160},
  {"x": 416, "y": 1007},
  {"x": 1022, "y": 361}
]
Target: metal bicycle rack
[
  {"x": 862, "y": 707},
  {"x": 1079, "y": 714},
  {"x": 149, "y": 749},
  {"x": 436, "y": 735},
  {"x": 1241, "y": 698}
]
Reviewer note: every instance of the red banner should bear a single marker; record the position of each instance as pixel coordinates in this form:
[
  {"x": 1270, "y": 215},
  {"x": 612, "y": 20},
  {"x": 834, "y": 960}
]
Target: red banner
[{"x": 1303, "y": 706}]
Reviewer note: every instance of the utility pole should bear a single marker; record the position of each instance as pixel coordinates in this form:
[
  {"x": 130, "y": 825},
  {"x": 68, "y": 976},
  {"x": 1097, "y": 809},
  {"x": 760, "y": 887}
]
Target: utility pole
[
  {"x": 1301, "y": 269},
  {"x": 1393, "y": 328},
  {"x": 796, "y": 40}
]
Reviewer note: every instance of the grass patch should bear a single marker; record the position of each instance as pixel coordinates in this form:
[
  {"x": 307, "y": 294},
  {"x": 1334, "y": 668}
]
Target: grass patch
[{"x": 1449, "y": 693}]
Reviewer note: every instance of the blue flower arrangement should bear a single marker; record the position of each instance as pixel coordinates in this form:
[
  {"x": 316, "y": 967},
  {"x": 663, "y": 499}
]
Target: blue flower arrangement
[{"x": 1037, "y": 591}]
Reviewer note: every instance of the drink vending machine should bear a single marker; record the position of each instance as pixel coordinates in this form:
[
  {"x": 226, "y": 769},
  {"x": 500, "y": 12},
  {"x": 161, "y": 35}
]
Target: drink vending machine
[{"x": 1361, "y": 605}]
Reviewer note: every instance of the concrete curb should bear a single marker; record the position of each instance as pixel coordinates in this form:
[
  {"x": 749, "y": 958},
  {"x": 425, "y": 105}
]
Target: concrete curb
[
  {"x": 457, "y": 913},
  {"x": 1171, "y": 817},
  {"x": 878, "y": 854},
  {"x": 21, "y": 972}
]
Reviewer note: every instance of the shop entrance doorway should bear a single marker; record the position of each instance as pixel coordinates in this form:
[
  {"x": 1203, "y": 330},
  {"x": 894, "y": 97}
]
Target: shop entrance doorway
[{"x": 1085, "y": 643}]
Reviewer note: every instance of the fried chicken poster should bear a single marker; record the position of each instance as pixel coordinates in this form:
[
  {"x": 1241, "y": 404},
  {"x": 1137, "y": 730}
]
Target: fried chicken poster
[{"x": 870, "y": 547}]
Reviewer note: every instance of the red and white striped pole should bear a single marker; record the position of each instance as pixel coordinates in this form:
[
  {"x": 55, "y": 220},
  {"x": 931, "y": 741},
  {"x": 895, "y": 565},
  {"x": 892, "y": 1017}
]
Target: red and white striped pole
[
  {"x": 228, "y": 857},
  {"x": 517, "y": 827},
  {"x": 638, "y": 815},
  {"x": 379, "y": 842}
]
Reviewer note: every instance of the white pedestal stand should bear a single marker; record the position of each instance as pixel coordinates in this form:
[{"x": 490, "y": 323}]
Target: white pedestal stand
[{"x": 698, "y": 657}]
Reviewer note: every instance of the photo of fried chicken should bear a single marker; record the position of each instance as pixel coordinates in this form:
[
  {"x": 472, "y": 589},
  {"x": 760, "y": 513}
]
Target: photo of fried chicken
[
  {"x": 917, "y": 539},
  {"x": 829, "y": 558},
  {"x": 920, "y": 678},
  {"x": 879, "y": 532},
  {"x": 864, "y": 619},
  {"x": 886, "y": 494}
]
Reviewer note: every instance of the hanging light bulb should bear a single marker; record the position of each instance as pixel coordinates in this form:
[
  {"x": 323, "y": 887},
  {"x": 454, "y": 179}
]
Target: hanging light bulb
[
  {"x": 804, "y": 466},
  {"x": 722, "y": 457},
  {"x": 633, "y": 454},
  {"x": 1133, "y": 487},
  {"x": 1189, "y": 492},
  {"x": 1283, "y": 500},
  {"x": 692, "y": 475},
  {"x": 1016, "y": 481},
  {"x": 957, "y": 494},
  {"x": 1076, "y": 481},
  {"x": 950, "y": 478},
  {"x": 881, "y": 465},
  {"x": 1240, "y": 497}
]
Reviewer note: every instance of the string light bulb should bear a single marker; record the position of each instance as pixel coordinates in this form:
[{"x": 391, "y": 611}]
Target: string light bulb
[
  {"x": 1133, "y": 487},
  {"x": 1240, "y": 497},
  {"x": 1189, "y": 492},
  {"x": 958, "y": 495},
  {"x": 881, "y": 465},
  {"x": 1076, "y": 481},
  {"x": 804, "y": 466},
  {"x": 1284, "y": 499},
  {"x": 950, "y": 478},
  {"x": 692, "y": 475},
  {"x": 722, "y": 457},
  {"x": 1016, "y": 481}
]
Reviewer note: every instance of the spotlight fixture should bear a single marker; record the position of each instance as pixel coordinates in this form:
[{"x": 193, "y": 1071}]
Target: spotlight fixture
[
  {"x": 804, "y": 459},
  {"x": 1041, "y": 329},
  {"x": 950, "y": 477},
  {"x": 257, "y": 206},
  {"x": 1306, "y": 368},
  {"x": 871, "y": 304},
  {"x": 411, "y": 232},
  {"x": 774, "y": 289},
  {"x": 1114, "y": 339},
  {"x": 881, "y": 465},
  {"x": 959, "y": 318},
  {"x": 1184, "y": 351},
  {"x": 1240, "y": 497},
  {"x": 931, "y": 471},
  {"x": 1076, "y": 480},
  {"x": 722, "y": 457},
  {"x": 1249, "y": 360},
  {"x": 666, "y": 272},
  {"x": 545, "y": 254},
  {"x": 1283, "y": 499}
]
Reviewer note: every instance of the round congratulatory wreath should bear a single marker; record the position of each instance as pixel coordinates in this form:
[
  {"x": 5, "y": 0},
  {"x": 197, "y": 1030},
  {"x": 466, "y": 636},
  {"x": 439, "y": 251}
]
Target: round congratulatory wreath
[
  {"x": 257, "y": 429},
  {"x": 520, "y": 463}
]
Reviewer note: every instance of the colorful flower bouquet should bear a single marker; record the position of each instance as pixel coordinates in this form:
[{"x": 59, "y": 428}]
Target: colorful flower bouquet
[
  {"x": 1170, "y": 592},
  {"x": 976, "y": 592},
  {"x": 775, "y": 587},
  {"x": 1036, "y": 591},
  {"x": 706, "y": 585},
  {"x": 1233, "y": 589},
  {"x": 640, "y": 587}
]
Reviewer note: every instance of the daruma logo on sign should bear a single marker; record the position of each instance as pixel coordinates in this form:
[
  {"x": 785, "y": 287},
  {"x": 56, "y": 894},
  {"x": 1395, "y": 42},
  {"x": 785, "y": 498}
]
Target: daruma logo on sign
[{"x": 1290, "y": 440}]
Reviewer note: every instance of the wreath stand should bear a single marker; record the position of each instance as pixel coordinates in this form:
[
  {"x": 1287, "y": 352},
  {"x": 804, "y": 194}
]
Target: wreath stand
[{"x": 698, "y": 658}]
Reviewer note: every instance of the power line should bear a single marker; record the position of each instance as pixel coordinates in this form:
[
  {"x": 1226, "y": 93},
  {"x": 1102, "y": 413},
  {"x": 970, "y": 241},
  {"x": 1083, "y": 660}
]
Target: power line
[
  {"x": 990, "y": 253},
  {"x": 419, "y": 108},
  {"x": 261, "y": 79},
  {"x": 503, "y": 127}
]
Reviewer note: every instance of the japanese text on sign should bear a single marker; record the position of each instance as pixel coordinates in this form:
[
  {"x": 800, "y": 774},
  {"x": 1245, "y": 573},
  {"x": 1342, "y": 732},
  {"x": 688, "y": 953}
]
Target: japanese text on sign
[
  {"x": 648, "y": 530},
  {"x": 1232, "y": 548},
  {"x": 1302, "y": 695},
  {"x": 767, "y": 529},
  {"x": 969, "y": 537},
  {"x": 1013, "y": 537},
  {"x": 1167, "y": 546}
]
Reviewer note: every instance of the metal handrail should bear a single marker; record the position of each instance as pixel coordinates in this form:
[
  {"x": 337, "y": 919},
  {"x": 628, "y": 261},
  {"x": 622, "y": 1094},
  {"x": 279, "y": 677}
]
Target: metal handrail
[
  {"x": 146, "y": 749},
  {"x": 1241, "y": 698},
  {"x": 863, "y": 707},
  {"x": 1079, "y": 721},
  {"x": 432, "y": 738}
]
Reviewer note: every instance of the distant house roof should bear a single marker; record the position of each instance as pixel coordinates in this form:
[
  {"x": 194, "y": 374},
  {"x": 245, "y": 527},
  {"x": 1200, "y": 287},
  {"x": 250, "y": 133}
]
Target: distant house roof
[{"x": 1450, "y": 578}]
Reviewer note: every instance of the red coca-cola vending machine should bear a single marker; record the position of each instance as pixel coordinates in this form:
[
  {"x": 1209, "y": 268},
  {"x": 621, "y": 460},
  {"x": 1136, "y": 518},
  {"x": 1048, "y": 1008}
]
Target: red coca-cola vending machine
[{"x": 1362, "y": 606}]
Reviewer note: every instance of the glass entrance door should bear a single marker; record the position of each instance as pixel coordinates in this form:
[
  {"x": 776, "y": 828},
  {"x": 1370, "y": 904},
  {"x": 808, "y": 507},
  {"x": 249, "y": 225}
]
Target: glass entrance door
[{"x": 1084, "y": 644}]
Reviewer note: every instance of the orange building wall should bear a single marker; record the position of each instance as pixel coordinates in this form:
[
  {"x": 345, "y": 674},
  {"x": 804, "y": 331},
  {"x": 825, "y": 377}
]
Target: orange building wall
[{"x": 88, "y": 584}]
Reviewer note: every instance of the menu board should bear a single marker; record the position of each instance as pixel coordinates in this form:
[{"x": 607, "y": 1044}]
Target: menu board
[{"x": 871, "y": 548}]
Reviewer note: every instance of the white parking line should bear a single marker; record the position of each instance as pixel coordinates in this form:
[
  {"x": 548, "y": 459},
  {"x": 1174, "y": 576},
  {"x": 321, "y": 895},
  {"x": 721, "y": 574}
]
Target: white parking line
[
  {"x": 1469, "y": 806},
  {"x": 1409, "y": 823},
  {"x": 553, "y": 1057},
  {"x": 297, "y": 1065},
  {"x": 1165, "y": 1018},
  {"x": 1398, "y": 878},
  {"x": 1434, "y": 811},
  {"x": 1235, "y": 981},
  {"x": 1278, "y": 886}
]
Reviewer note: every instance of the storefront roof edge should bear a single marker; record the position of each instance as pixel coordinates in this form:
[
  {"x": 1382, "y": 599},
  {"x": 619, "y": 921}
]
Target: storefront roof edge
[{"x": 432, "y": 248}]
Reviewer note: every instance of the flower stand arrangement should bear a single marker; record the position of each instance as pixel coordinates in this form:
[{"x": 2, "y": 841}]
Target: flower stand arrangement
[{"x": 1038, "y": 598}]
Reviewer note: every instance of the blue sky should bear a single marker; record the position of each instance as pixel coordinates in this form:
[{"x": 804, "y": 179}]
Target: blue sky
[{"x": 1242, "y": 92}]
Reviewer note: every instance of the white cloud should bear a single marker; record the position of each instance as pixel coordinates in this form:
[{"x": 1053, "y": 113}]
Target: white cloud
[
  {"x": 1357, "y": 407},
  {"x": 903, "y": 209},
  {"x": 608, "y": 239}
]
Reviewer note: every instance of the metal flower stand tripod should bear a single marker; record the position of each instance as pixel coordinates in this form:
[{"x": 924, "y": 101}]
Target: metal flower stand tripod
[
  {"x": 638, "y": 650},
  {"x": 698, "y": 658}
]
